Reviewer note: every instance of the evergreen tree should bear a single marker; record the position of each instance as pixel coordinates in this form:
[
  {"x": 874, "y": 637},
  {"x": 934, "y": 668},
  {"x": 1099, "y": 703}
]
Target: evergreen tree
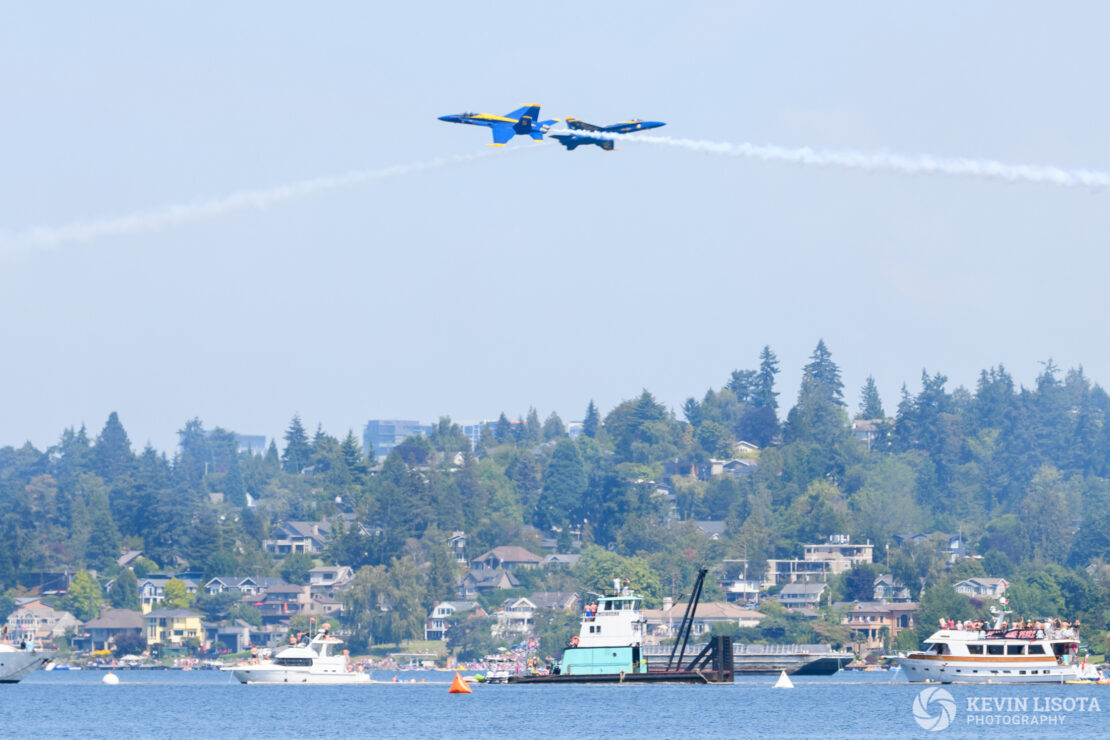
[
  {"x": 564, "y": 484},
  {"x": 503, "y": 432},
  {"x": 525, "y": 475},
  {"x": 298, "y": 452},
  {"x": 124, "y": 593},
  {"x": 294, "y": 568},
  {"x": 273, "y": 462},
  {"x": 693, "y": 412},
  {"x": 223, "y": 447},
  {"x": 870, "y": 405},
  {"x": 71, "y": 456},
  {"x": 102, "y": 547},
  {"x": 235, "y": 492},
  {"x": 741, "y": 384},
  {"x": 553, "y": 427},
  {"x": 592, "y": 421},
  {"x": 763, "y": 393},
  {"x": 486, "y": 440},
  {"x": 112, "y": 451},
  {"x": 196, "y": 455},
  {"x": 819, "y": 415},
  {"x": 533, "y": 427},
  {"x": 354, "y": 460}
]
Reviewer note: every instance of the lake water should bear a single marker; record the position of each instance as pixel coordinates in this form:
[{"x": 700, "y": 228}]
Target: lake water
[{"x": 209, "y": 704}]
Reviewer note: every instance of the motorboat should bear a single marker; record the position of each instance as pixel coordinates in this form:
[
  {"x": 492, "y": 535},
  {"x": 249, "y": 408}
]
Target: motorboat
[
  {"x": 313, "y": 660},
  {"x": 19, "y": 661},
  {"x": 1040, "y": 653}
]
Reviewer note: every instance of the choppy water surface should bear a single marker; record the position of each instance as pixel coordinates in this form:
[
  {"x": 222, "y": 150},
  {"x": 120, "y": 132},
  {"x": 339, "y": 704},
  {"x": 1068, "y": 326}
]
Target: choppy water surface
[{"x": 207, "y": 704}]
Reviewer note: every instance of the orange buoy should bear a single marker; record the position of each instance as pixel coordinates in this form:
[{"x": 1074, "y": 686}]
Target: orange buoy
[{"x": 458, "y": 686}]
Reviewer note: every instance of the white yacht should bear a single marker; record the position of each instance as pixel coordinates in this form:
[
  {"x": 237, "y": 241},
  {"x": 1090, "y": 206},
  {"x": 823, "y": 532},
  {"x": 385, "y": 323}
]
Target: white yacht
[
  {"x": 16, "y": 663},
  {"x": 998, "y": 655},
  {"x": 312, "y": 660}
]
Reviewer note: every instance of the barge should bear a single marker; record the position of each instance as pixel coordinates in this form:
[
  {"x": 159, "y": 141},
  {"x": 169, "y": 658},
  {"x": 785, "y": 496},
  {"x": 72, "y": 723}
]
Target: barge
[{"x": 609, "y": 648}]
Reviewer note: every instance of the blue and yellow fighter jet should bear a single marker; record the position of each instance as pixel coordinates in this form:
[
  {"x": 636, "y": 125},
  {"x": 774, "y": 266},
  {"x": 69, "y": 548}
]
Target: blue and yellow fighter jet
[
  {"x": 520, "y": 121},
  {"x": 581, "y": 131}
]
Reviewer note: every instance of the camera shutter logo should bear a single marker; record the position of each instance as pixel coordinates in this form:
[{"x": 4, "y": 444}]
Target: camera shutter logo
[{"x": 934, "y": 709}]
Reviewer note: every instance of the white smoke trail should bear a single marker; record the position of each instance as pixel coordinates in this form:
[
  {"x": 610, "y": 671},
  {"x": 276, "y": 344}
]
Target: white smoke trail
[
  {"x": 175, "y": 215},
  {"x": 922, "y": 164}
]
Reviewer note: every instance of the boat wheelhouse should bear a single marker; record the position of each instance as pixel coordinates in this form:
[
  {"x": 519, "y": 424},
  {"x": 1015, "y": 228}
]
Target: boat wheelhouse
[{"x": 609, "y": 638}]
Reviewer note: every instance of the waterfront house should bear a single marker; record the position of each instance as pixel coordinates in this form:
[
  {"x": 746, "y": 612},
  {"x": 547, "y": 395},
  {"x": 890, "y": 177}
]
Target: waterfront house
[
  {"x": 235, "y": 637},
  {"x": 982, "y": 588},
  {"x": 733, "y": 578},
  {"x": 282, "y": 602},
  {"x": 506, "y": 557},
  {"x": 483, "y": 581},
  {"x": 293, "y": 537},
  {"x": 797, "y": 595},
  {"x": 661, "y": 624},
  {"x": 887, "y": 589},
  {"x": 101, "y": 633},
  {"x": 243, "y": 584},
  {"x": 152, "y": 589},
  {"x": 737, "y": 468},
  {"x": 839, "y": 553},
  {"x": 558, "y": 600},
  {"x": 128, "y": 558},
  {"x": 456, "y": 543},
  {"x": 443, "y": 614},
  {"x": 327, "y": 579},
  {"x": 560, "y": 559},
  {"x": 871, "y": 623},
  {"x": 40, "y": 622},
  {"x": 712, "y": 529},
  {"x": 514, "y": 617},
  {"x": 173, "y": 627}
]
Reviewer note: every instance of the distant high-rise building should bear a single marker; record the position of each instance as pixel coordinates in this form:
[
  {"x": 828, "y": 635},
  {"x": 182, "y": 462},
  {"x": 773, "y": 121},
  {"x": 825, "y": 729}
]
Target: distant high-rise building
[
  {"x": 382, "y": 435},
  {"x": 253, "y": 443}
]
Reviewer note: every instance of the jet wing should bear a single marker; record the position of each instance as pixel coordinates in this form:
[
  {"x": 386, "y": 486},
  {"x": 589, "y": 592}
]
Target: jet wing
[{"x": 502, "y": 132}]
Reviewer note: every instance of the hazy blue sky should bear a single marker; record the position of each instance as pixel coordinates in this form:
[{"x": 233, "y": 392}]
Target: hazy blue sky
[{"x": 541, "y": 277}]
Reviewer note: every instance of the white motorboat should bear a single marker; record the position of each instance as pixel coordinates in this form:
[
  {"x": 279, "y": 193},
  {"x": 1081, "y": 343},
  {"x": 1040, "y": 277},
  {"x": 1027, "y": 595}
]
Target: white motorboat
[
  {"x": 1038, "y": 654},
  {"x": 312, "y": 660},
  {"x": 16, "y": 663}
]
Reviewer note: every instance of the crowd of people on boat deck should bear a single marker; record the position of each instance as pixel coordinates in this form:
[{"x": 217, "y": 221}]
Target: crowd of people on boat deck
[{"x": 1048, "y": 626}]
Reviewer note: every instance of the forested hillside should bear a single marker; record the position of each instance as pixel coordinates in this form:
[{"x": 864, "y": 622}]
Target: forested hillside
[{"x": 1022, "y": 474}]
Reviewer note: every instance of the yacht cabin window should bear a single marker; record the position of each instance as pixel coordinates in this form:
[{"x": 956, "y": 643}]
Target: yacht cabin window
[
  {"x": 1036, "y": 649},
  {"x": 1015, "y": 649}
]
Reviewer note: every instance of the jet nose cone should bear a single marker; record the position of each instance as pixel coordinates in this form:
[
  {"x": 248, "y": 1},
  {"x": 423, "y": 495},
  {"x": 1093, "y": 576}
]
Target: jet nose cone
[{"x": 449, "y": 119}]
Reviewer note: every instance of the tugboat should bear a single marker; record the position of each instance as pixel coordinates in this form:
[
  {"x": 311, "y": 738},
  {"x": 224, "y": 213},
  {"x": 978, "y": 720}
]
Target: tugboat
[
  {"x": 609, "y": 647},
  {"x": 1040, "y": 653}
]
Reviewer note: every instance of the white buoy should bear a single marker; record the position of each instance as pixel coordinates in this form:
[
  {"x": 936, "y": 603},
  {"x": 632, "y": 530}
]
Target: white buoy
[
  {"x": 110, "y": 678},
  {"x": 784, "y": 682}
]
